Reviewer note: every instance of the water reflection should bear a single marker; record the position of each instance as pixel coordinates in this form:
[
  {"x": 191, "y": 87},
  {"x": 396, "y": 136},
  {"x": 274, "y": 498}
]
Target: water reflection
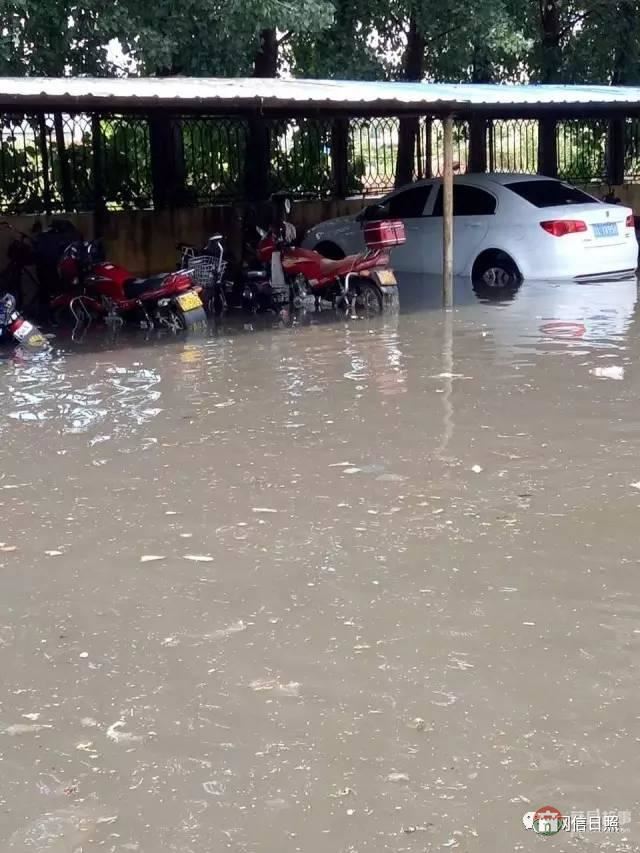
[{"x": 111, "y": 393}]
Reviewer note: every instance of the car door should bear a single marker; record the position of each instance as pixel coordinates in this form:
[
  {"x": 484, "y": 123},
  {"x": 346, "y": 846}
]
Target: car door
[
  {"x": 409, "y": 205},
  {"x": 473, "y": 209}
]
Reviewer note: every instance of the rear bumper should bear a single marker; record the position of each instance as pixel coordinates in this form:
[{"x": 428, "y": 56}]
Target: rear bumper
[
  {"x": 611, "y": 275},
  {"x": 569, "y": 263}
]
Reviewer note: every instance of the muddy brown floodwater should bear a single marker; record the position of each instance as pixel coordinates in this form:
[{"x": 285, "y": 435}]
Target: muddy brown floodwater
[{"x": 347, "y": 587}]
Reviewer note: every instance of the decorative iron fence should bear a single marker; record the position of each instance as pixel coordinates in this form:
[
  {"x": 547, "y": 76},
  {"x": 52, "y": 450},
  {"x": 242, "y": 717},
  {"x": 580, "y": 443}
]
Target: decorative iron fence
[{"x": 64, "y": 162}]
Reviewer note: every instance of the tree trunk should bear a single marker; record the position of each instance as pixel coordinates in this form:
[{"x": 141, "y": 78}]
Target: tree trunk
[
  {"x": 480, "y": 73},
  {"x": 168, "y": 168},
  {"x": 626, "y": 54},
  {"x": 258, "y": 153},
  {"x": 66, "y": 189},
  {"x": 409, "y": 128},
  {"x": 550, "y": 42},
  {"x": 550, "y": 71},
  {"x": 624, "y": 72}
]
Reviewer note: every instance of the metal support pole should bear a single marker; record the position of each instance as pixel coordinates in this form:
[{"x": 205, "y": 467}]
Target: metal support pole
[
  {"x": 447, "y": 214},
  {"x": 616, "y": 152},
  {"x": 340, "y": 157},
  {"x": 99, "y": 206},
  {"x": 44, "y": 157}
]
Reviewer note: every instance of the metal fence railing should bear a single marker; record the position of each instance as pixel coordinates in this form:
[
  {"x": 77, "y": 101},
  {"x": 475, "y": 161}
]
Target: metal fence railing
[{"x": 65, "y": 162}]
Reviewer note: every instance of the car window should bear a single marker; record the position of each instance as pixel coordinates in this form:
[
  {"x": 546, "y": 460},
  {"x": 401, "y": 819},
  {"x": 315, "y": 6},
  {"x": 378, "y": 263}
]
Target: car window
[
  {"x": 467, "y": 201},
  {"x": 408, "y": 204},
  {"x": 549, "y": 193}
]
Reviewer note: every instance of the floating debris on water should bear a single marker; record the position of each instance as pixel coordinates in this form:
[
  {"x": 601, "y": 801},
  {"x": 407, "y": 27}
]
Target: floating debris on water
[
  {"x": 117, "y": 736},
  {"x": 397, "y": 777},
  {"x": 292, "y": 688},
  {"x": 18, "y": 729}
]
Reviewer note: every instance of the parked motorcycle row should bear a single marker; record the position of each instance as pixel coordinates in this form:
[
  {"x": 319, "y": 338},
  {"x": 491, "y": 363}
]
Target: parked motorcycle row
[{"x": 77, "y": 285}]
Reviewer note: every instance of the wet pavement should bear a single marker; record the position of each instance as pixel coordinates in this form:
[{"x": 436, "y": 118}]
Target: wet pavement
[{"x": 365, "y": 586}]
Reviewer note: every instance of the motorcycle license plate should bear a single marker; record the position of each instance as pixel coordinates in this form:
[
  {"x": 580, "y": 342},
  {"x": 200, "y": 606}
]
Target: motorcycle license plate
[
  {"x": 387, "y": 277},
  {"x": 189, "y": 301},
  {"x": 23, "y": 331}
]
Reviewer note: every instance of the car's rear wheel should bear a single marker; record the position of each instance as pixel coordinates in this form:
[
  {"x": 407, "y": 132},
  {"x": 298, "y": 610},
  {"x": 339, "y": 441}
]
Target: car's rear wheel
[
  {"x": 330, "y": 250},
  {"x": 496, "y": 270}
]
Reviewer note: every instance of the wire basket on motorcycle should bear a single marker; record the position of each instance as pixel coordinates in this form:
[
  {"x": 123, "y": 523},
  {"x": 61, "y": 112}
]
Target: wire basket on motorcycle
[{"x": 203, "y": 269}]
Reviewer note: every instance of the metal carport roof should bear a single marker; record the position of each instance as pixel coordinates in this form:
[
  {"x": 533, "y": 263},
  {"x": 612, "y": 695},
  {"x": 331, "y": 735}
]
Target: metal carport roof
[{"x": 291, "y": 96}]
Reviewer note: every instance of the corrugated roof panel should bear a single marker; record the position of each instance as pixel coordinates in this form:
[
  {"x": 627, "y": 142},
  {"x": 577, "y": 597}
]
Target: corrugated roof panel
[{"x": 249, "y": 93}]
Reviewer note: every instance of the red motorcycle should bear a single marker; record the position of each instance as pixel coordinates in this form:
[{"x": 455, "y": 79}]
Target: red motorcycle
[
  {"x": 94, "y": 288},
  {"x": 289, "y": 274}
]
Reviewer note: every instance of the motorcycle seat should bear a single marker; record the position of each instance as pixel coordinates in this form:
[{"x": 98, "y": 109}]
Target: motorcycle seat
[
  {"x": 329, "y": 266},
  {"x": 135, "y": 287}
]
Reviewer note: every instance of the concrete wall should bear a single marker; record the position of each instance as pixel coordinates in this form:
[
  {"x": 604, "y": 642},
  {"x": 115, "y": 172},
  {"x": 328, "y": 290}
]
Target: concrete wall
[{"x": 145, "y": 241}]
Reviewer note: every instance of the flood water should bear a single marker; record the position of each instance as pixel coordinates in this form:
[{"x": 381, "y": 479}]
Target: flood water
[{"x": 347, "y": 586}]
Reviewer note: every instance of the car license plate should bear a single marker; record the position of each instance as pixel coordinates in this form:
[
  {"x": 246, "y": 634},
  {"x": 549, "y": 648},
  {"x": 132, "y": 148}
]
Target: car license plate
[
  {"x": 386, "y": 277},
  {"x": 605, "y": 229},
  {"x": 23, "y": 331},
  {"x": 189, "y": 301}
]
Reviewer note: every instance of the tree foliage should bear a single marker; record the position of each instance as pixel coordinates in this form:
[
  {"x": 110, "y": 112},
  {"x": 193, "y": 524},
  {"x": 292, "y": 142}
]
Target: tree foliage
[{"x": 501, "y": 40}]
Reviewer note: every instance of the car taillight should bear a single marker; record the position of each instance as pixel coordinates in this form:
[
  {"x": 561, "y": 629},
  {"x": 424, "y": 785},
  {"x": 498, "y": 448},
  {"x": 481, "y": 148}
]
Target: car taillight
[
  {"x": 560, "y": 227},
  {"x": 631, "y": 223}
]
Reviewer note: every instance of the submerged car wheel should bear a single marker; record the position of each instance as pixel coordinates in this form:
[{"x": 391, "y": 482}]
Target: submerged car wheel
[{"x": 496, "y": 270}]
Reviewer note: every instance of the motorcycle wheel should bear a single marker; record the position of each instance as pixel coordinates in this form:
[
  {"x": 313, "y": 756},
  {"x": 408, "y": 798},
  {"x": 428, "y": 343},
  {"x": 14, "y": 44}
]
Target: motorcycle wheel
[
  {"x": 180, "y": 321},
  {"x": 367, "y": 298}
]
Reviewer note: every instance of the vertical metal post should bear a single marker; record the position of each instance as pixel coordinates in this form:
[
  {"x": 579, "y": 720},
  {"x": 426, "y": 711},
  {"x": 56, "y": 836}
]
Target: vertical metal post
[
  {"x": 492, "y": 146},
  {"x": 44, "y": 159},
  {"x": 547, "y": 147},
  {"x": 340, "y": 157},
  {"x": 428, "y": 147},
  {"x": 447, "y": 214},
  {"x": 616, "y": 151},
  {"x": 99, "y": 206}
]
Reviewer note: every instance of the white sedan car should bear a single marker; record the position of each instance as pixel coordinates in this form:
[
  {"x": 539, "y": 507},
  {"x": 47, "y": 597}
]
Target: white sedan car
[{"x": 505, "y": 227}]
